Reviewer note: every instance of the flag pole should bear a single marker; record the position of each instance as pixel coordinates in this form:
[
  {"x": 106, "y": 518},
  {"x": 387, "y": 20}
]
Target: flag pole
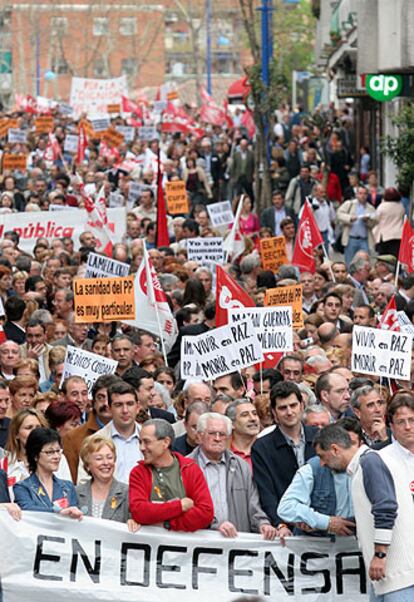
[
  {"x": 154, "y": 302},
  {"x": 397, "y": 273}
]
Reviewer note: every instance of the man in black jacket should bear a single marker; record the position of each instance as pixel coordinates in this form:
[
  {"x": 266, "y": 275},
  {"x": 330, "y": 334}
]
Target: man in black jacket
[{"x": 277, "y": 455}]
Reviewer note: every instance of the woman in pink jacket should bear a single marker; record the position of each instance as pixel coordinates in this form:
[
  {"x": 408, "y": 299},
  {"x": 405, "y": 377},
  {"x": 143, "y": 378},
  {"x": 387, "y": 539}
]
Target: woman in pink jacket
[{"x": 387, "y": 232}]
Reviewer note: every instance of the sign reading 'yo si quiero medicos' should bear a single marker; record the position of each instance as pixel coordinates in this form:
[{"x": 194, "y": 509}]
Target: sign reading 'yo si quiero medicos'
[{"x": 383, "y": 87}]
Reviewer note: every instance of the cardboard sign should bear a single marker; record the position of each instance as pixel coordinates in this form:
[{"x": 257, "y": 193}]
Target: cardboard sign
[
  {"x": 100, "y": 266},
  {"x": 381, "y": 352},
  {"x": 405, "y": 323},
  {"x": 71, "y": 143},
  {"x": 100, "y": 124},
  {"x": 92, "y": 96},
  {"x": 205, "y": 250},
  {"x": 44, "y": 124},
  {"x": 127, "y": 131},
  {"x": 220, "y": 214},
  {"x": 287, "y": 295},
  {"x": 148, "y": 132},
  {"x": 15, "y": 136},
  {"x": 90, "y": 366},
  {"x": 273, "y": 253},
  {"x": 112, "y": 138},
  {"x": 177, "y": 200},
  {"x": 220, "y": 351},
  {"x": 114, "y": 108},
  {"x": 273, "y": 326},
  {"x": 104, "y": 299},
  {"x": 11, "y": 161}
]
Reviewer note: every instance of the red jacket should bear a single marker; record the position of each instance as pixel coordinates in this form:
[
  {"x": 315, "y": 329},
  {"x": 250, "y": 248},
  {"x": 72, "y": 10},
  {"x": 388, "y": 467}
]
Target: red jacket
[{"x": 146, "y": 512}]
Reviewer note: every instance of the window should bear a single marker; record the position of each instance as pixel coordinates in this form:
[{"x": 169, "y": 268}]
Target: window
[
  {"x": 100, "y": 26},
  {"x": 128, "y": 26},
  {"x": 99, "y": 67},
  {"x": 59, "y": 25},
  {"x": 129, "y": 66},
  {"x": 59, "y": 65}
]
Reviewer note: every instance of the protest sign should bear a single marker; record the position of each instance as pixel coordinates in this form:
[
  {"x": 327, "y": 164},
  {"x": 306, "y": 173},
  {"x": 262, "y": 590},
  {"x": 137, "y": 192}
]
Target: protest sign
[
  {"x": 220, "y": 214},
  {"x": 381, "y": 352},
  {"x": 5, "y": 125},
  {"x": 16, "y": 136},
  {"x": 112, "y": 137},
  {"x": 44, "y": 124},
  {"x": 114, "y": 108},
  {"x": 220, "y": 351},
  {"x": 71, "y": 143},
  {"x": 104, "y": 299},
  {"x": 127, "y": 131},
  {"x": 205, "y": 250},
  {"x": 273, "y": 326},
  {"x": 100, "y": 266},
  {"x": 100, "y": 124},
  {"x": 90, "y": 366},
  {"x": 159, "y": 106},
  {"x": 405, "y": 323},
  {"x": 56, "y": 558},
  {"x": 12, "y": 161},
  {"x": 69, "y": 222},
  {"x": 92, "y": 96},
  {"x": 147, "y": 132},
  {"x": 273, "y": 253},
  {"x": 177, "y": 200},
  {"x": 287, "y": 295}
]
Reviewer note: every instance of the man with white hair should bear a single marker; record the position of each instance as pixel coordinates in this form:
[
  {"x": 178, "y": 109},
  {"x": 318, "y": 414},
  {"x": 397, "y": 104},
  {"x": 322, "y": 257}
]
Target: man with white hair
[{"x": 235, "y": 497}]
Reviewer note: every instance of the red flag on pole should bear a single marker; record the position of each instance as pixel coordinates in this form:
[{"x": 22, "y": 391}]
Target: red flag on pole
[
  {"x": 229, "y": 295},
  {"x": 308, "y": 237},
  {"x": 82, "y": 144},
  {"x": 389, "y": 319},
  {"x": 163, "y": 239},
  {"x": 406, "y": 254}
]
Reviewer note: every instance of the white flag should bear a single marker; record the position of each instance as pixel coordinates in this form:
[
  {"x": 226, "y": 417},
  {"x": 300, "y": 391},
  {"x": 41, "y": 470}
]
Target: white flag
[{"x": 234, "y": 244}]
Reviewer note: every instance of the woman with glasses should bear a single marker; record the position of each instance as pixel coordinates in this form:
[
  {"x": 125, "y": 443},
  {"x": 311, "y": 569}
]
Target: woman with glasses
[{"x": 43, "y": 491}]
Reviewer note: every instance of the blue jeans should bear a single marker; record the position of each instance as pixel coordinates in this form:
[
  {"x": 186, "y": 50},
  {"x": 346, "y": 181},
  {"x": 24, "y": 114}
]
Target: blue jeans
[
  {"x": 401, "y": 595},
  {"x": 354, "y": 245}
]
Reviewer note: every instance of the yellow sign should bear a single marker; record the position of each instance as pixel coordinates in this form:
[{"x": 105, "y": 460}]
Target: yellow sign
[
  {"x": 287, "y": 295},
  {"x": 273, "y": 253},
  {"x": 104, "y": 299},
  {"x": 177, "y": 200}
]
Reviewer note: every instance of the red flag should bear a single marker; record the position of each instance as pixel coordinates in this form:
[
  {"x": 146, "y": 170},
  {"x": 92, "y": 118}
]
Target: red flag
[
  {"x": 406, "y": 254},
  {"x": 163, "y": 239},
  {"x": 389, "y": 319},
  {"x": 247, "y": 122},
  {"x": 130, "y": 106},
  {"x": 308, "y": 237},
  {"x": 82, "y": 144},
  {"x": 52, "y": 150},
  {"x": 210, "y": 111},
  {"x": 98, "y": 221},
  {"x": 229, "y": 295},
  {"x": 3, "y": 337}
]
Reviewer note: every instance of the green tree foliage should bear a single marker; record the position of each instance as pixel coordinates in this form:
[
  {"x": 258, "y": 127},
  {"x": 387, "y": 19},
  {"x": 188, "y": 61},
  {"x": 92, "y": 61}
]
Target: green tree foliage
[{"x": 401, "y": 147}]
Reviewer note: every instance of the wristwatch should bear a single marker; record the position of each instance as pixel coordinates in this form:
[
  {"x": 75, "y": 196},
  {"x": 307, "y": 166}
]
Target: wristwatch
[{"x": 380, "y": 554}]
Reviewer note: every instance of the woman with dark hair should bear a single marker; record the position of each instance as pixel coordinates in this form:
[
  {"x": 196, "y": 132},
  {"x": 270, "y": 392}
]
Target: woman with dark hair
[
  {"x": 43, "y": 491},
  {"x": 166, "y": 376},
  {"x": 388, "y": 229},
  {"x": 63, "y": 416},
  {"x": 195, "y": 293},
  {"x": 5, "y": 282}
]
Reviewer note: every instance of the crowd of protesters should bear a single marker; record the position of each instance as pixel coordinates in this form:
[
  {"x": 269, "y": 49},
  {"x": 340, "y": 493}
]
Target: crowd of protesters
[{"x": 263, "y": 451}]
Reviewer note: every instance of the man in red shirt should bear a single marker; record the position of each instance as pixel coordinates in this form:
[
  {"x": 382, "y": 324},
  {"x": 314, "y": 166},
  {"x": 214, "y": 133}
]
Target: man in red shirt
[{"x": 167, "y": 488}]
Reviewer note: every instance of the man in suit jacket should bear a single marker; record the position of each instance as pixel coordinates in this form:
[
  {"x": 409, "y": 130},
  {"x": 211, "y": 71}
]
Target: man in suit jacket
[
  {"x": 273, "y": 216},
  {"x": 242, "y": 170},
  {"x": 277, "y": 455},
  {"x": 36, "y": 347},
  {"x": 13, "y": 327}
]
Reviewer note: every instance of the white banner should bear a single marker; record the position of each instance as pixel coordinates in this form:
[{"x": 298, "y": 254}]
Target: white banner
[
  {"x": 100, "y": 124},
  {"x": 205, "y": 250},
  {"x": 220, "y": 351},
  {"x": 220, "y": 214},
  {"x": 90, "y": 366},
  {"x": 71, "y": 222},
  {"x": 15, "y": 136},
  {"x": 92, "y": 96},
  {"x": 273, "y": 326},
  {"x": 46, "y": 557},
  {"x": 148, "y": 132},
  {"x": 71, "y": 143},
  {"x": 381, "y": 352},
  {"x": 127, "y": 131},
  {"x": 100, "y": 266},
  {"x": 405, "y": 323}
]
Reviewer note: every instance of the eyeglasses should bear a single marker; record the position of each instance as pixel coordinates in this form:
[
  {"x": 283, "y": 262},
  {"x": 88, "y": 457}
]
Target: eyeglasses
[
  {"x": 216, "y": 434},
  {"x": 404, "y": 421},
  {"x": 51, "y": 452}
]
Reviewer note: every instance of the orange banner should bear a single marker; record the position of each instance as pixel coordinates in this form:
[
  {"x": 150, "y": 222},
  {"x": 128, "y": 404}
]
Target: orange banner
[
  {"x": 177, "y": 200},
  {"x": 5, "y": 125},
  {"x": 273, "y": 253},
  {"x": 11, "y": 161},
  {"x": 287, "y": 295},
  {"x": 104, "y": 299},
  {"x": 44, "y": 124},
  {"x": 114, "y": 108},
  {"x": 112, "y": 137}
]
